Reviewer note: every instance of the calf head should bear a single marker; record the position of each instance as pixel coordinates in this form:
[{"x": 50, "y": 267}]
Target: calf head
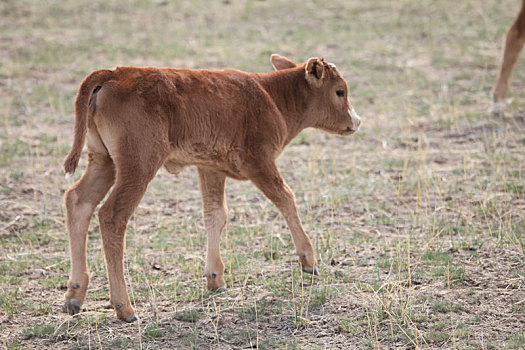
[{"x": 328, "y": 107}]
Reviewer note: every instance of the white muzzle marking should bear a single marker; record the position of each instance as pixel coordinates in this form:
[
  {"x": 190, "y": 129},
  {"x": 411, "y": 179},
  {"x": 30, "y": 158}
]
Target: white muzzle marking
[{"x": 356, "y": 120}]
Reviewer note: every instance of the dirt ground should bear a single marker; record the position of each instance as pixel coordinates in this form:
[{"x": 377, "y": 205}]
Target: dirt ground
[{"x": 418, "y": 220}]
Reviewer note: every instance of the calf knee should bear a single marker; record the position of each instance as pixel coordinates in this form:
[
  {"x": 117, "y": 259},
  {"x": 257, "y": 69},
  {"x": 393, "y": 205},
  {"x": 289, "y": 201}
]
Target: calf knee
[
  {"x": 216, "y": 217},
  {"x": 286, "y": 198},
  {"x": 223, "y": 215}
]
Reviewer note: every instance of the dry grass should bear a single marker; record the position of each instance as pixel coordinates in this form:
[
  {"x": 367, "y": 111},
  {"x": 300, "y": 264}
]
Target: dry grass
[{"x": 418, "y": 220}]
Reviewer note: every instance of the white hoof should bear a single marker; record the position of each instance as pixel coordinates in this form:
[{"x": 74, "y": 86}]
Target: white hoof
[{"x": 497, "y": 107}]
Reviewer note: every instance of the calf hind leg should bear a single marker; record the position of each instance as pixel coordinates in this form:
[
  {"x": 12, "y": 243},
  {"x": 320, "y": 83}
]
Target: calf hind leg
[
  {"x": 81, "y": 200},
  {"x": 130, "y": 186}
]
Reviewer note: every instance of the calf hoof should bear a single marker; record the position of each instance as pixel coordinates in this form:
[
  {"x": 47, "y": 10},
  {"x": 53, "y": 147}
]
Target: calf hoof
[
  {"x": 72, "y": 306},
  {"x": 216, "y": 287},
  {"x": 215, "y": 282},
  {"x": 308, "y": 263},
  {"x": 311, "y": 270},
  {"x": 125, "y": 313}
]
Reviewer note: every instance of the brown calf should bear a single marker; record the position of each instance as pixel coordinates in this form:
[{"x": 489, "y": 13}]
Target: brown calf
[
  {"x": 513, "y": 44},
  {"x": 226, "y": 123}
]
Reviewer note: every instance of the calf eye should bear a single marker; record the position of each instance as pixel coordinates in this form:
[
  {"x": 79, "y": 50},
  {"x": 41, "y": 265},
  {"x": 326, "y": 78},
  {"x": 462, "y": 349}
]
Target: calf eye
[{"x": 340, "y": 93}]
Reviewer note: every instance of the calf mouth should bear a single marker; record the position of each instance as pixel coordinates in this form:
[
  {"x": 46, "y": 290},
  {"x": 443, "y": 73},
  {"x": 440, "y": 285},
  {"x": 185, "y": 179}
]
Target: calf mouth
[{"x": 348, "y": 131}]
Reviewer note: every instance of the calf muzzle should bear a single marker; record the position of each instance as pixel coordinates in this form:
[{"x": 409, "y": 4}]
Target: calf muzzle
[{"x": 356, "y": 120}]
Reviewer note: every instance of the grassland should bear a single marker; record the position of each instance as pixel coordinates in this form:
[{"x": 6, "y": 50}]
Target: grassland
[{"x": 418, "y": 220}]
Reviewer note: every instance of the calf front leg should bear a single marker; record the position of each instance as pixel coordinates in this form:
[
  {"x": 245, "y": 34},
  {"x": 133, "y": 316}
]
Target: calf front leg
[
  {"x": 268, "y": 179},
  {"x": 215, "y": 213}
]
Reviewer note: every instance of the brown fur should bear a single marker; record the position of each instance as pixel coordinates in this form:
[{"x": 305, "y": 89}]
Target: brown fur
[
  {"x": 514, "y": 41},
  {"x": 227, "y": 123}
]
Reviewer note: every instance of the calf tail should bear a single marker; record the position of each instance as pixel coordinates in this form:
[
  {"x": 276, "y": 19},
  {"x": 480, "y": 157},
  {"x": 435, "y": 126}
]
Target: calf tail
[{"x": 90, "y": 83}]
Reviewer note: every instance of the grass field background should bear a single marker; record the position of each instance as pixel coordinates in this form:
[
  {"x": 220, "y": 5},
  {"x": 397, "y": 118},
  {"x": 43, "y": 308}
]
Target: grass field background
[{"x": 417, "y": 220}]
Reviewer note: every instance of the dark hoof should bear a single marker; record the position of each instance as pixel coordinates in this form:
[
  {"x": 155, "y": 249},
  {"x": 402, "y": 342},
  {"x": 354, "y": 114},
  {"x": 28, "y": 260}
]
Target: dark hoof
[
  {"x": 132, "y": 318},
  {"x": 310, "y": 270},
  {"x": 72, "y": 306}
]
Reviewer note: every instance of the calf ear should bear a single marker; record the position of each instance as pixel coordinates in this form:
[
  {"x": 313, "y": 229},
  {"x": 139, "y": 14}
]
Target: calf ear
[
  {"x": 280, "y": 62},
  {"x": 314, "y": 71}
]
